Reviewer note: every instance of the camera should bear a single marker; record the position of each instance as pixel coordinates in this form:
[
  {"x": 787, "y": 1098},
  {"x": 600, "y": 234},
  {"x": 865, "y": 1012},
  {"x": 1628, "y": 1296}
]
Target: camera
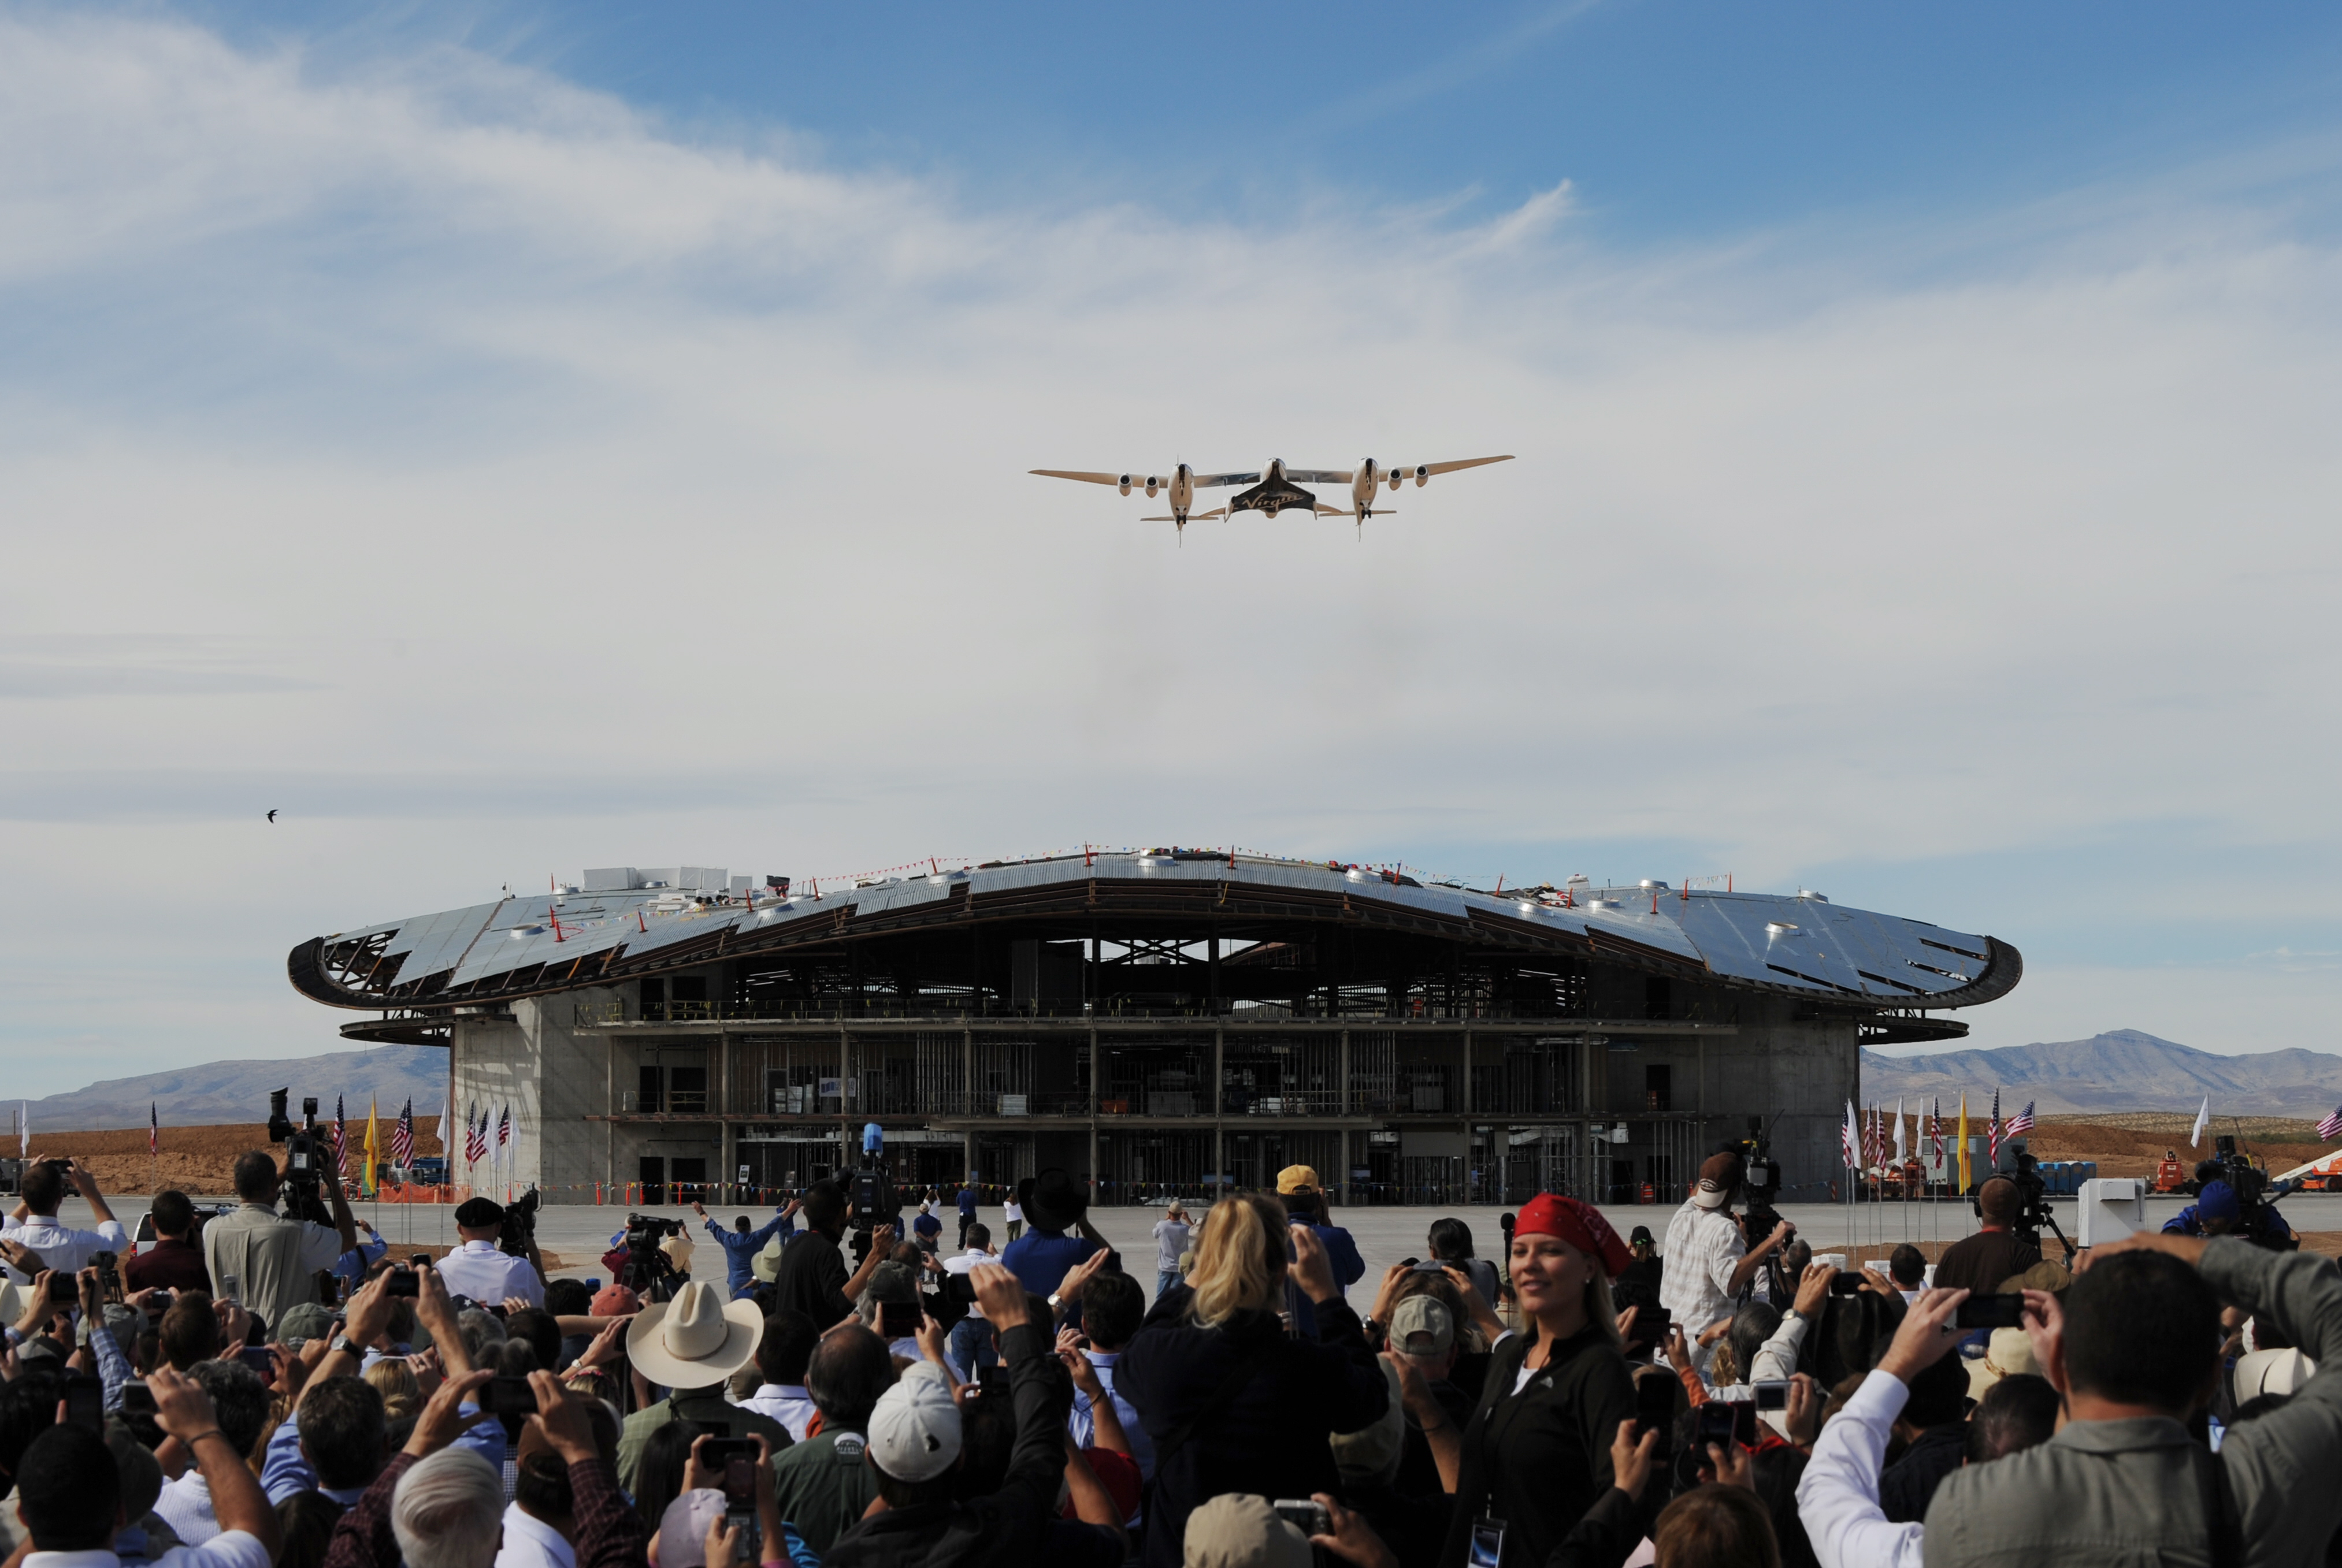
[
  {"x": 646, "y": 1270},
  {"x": 1760, "y": 1183},
  {"x": 2254, "y": 1193},
  {"x": 876, "y": 1204},
  {"x": 306, "y": 1159},
  {"x": 2033, "y": 1213},
  {"x": 518, "y": 1237}
]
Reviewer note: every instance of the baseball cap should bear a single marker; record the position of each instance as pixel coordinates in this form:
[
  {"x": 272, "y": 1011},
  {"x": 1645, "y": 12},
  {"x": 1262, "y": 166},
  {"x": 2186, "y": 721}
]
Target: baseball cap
[
  {"x": 1296, "y": 1179},
  {"x": 1638, "y": 1235},
  {"x": 302, "y": 1323},
  {"x": 1239, "y": 1530},
  {"x": 615, "y": 1301},
  {"x": 1422, "y": 1325},
  {"x": 915, "y": 1431}
]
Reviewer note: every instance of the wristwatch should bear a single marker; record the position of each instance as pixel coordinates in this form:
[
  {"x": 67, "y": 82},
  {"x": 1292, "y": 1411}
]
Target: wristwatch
[
  {"x": 1052, "y": 1299},
  {"x": 345, "y": 1344}
]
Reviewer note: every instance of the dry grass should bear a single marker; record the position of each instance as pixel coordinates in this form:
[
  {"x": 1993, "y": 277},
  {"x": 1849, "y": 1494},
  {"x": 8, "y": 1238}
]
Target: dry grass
[
  {"x": 2133, "y": 1145},
  {"x": 195, "y": 1160}
]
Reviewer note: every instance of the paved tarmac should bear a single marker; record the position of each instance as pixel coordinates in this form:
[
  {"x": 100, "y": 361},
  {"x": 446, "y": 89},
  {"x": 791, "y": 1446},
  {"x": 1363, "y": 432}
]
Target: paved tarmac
[{"x": 579, "y": 1234}]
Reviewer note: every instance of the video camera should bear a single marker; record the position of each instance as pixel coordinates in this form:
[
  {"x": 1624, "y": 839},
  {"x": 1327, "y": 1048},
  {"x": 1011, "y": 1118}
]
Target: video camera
[
  {"x": 646, "y": 1270},
  {"x": 2032, "y": 1205},
  {"x": 2255, "y": 1193},
  {"x": 876, "y": 1204},
  {"x": 306, "y": 1159},
  {"x": 518, "y": 1237},
  {"x": 1760, "y": 1183}
]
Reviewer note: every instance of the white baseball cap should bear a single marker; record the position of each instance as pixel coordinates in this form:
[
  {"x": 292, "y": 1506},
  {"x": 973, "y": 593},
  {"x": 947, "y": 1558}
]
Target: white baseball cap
[{"x": 914, "y": 1432}]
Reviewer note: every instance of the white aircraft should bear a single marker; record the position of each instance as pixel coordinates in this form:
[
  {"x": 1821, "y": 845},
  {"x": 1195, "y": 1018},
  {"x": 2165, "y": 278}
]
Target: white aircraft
[{"x": 1273, "y": 490}]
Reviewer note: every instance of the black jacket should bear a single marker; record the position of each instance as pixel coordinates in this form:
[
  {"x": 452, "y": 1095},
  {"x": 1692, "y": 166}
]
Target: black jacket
[
  {"x": 1270, "y": 1437},
  {"x": 1540, "y": 1458},
  {"x": 1009, "y": 1527},
  {"x": 812, "y": 1279}
]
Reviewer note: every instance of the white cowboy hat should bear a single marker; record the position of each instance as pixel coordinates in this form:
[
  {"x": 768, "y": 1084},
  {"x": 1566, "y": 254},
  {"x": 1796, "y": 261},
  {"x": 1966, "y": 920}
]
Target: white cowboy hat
[
  {"x": 767, "y": 1266},
  {"x": 696, "y": 1339}
]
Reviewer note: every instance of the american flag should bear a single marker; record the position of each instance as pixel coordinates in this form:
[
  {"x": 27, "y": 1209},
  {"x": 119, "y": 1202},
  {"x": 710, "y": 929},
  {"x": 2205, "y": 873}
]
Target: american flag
[
  {"x": 154, "y": 1129},
  {"x": 2331, "y": 1128},
  {"x": 475, "y": 1135},
  {"x": 341, "y": 1138},
  {"x": 1936, "y": 1129},
  {"x": 1992, "y": 1131},
  {"x": 402, "y": 1137},
  {"x": 1845, "y": 1137},
  {"x": 2020, "y": 1123},
  {"x": 503, "y": 1128}
]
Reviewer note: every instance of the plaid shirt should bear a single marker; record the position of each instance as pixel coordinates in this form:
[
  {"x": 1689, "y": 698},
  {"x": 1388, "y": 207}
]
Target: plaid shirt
[{"x": 1703, "y": 1246}]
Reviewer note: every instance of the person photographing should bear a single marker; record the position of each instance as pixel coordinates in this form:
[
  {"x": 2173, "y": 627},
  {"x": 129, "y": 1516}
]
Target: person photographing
[{"x": 1708, "y": 1262}]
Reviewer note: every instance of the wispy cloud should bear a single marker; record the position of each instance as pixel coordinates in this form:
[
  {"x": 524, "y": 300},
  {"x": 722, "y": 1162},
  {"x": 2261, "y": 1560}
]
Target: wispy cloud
[{"x": 587, "y": 489}]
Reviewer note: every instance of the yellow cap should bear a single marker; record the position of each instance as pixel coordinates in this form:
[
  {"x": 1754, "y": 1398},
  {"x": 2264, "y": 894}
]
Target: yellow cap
[{"x": 1295, "y": 1179}]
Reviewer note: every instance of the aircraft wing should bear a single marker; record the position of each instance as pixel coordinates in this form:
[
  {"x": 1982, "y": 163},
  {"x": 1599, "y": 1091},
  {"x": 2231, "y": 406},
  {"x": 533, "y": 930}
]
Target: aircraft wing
[
  {"x": 1077, "y": 473},
  {"x": 1319, "y": 476},
  {"x": 1214, "y": 481},
  {"x": 1430, "y": 468}
]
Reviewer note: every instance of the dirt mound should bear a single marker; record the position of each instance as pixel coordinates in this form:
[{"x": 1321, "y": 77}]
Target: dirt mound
[
  {"x": 195, "y": 1160},
  {"x": 2133, "y": 1146}
]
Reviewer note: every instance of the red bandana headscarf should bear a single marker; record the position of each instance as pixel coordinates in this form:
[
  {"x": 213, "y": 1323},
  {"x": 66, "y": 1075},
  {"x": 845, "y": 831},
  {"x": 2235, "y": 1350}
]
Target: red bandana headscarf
[{"x": 1580, "y": 1224}]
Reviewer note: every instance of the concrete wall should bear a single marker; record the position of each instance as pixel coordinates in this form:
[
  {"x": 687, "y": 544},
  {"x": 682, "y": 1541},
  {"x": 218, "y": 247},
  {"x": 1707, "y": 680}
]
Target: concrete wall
[{"x": 554, "y": 1078}]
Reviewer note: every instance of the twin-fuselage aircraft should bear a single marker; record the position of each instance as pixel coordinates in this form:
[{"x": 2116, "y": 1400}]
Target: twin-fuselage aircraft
[{"x": 1271, "y": 490}]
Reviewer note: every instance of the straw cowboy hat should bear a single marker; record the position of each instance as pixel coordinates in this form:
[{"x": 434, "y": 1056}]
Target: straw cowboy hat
[
  {"x": 696, "y": 1339},
  {"x": 2007, "y": 1354}
]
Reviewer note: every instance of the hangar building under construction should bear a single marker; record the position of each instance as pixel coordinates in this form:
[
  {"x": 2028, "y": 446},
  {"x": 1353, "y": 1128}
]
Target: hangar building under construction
[{"x": 1166, "y": 1021}]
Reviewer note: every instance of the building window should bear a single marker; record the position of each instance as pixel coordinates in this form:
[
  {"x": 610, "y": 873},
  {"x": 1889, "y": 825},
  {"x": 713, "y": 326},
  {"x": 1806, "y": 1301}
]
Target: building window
[{"x": 1658, "y": 1087}]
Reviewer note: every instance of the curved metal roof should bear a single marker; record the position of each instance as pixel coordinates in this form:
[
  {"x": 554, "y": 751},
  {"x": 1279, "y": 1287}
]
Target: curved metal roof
[{"x": 541, "y": 944}]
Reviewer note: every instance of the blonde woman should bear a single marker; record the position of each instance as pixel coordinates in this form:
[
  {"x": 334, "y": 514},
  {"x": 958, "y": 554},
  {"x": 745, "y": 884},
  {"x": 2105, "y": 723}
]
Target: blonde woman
[
  {"x": 1232, "y": 1402},
  {"x": 1537, "y": 1452}
]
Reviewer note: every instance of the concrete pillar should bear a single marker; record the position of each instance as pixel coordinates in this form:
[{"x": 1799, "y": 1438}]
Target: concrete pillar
[
  {"x": 1219, "y": 1098},
  {"x": 727, "y": 1171}
]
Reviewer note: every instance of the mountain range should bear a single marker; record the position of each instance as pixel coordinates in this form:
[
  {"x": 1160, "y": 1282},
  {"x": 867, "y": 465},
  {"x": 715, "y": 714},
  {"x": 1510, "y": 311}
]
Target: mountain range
[
  {"x": 222, "y": 1091},
  {"x": 2121, "y": 1070}
]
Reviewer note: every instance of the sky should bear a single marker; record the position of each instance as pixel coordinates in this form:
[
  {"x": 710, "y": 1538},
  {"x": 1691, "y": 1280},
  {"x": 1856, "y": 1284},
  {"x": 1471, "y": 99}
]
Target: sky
[{"x": 511, "y": 438}]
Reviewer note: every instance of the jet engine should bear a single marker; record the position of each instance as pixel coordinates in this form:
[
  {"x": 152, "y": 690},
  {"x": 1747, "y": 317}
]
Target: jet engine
[
  {"x": 1422, "y": 476},
  {"x": 1124, "y": 483},
  {"x": 1154, "y": 483}
]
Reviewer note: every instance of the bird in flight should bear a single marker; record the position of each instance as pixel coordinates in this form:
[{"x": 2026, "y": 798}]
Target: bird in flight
[
  {"x": 272, "y": 814},
  {"x": 1273, "y": 489}
]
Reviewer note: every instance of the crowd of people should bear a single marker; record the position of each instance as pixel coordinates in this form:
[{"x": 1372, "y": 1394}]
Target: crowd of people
[{"x": 268, "y": 1392}]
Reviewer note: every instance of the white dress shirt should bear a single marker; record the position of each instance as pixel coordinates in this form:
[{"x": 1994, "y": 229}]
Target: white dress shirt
[
  {"x": 530, "y": 1542},
  {"x": 185, "y": 1505},
  {"x": 968, "y": 1260},
  {"x": 1839, "y": 1496},
  {"x": 481, "y": 1271},
  {"x": 787, "y": 1402},
  {"x": 61, "y": 1246},
  {"x": 233, "y": 1549}
]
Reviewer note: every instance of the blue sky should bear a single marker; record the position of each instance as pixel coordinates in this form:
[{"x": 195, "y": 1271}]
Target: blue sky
[
  {"x": 1673, "y": 122},
  {"x": 515, "y": 438}
]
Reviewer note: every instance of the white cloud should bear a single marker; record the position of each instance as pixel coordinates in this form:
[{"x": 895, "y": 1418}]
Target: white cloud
[{"x": 575, "y": 493}]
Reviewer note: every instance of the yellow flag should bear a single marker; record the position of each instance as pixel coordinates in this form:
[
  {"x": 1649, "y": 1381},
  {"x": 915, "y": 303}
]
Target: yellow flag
[
  {"x": 1963, "y": 1141},
  {"x": 373, "y": 1153}
]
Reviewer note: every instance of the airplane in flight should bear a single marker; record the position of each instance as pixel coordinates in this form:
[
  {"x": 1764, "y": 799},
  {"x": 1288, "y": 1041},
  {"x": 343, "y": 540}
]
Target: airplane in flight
[{"x": 1274, "y": 489}]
